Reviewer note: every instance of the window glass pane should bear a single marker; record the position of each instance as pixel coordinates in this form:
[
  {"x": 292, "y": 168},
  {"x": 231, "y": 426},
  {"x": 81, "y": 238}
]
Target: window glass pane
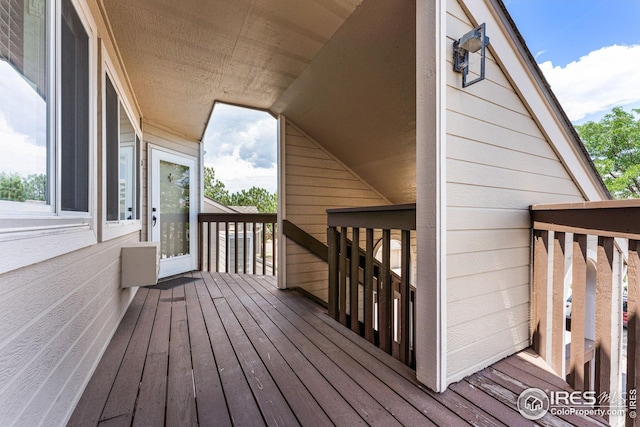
[
  {"x": 112, "y": 135},
  {"x": 127, "y": 166},
  {"x": 23, "y": 102},
  {"x": 75, "y": 111}
]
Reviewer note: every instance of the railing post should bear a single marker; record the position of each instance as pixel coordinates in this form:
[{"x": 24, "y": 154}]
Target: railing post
[
  {"x": 332, "y": 240},
  {"x": 558, "y": 319},
  {"x": 578, "y": 312},
  {"x": 633, "y": 326},
  {"x": 540, "y": 271},
  {"x": 404, "y": 296},
  {"x": 353, "y": 281},
  {"x": 368, "y": 287},
  {"x": 385, "y": 301}
]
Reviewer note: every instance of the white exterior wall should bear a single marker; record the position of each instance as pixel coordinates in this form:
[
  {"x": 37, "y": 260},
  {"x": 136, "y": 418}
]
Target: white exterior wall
[
  {"x": 57, "y": 318},
  {"x": 498, "y": 163},
  {"x": 314, "y": 182}
]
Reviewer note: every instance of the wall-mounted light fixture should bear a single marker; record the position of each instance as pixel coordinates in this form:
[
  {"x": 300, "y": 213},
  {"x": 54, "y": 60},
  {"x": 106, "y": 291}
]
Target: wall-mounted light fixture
[{"x": 472, "y": 42}]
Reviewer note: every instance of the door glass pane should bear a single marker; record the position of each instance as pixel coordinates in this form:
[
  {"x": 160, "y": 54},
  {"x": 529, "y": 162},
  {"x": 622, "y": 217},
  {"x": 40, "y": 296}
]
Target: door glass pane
[
  {"x": 23, "y": 102},
  {"x": 174, "y": 209}
]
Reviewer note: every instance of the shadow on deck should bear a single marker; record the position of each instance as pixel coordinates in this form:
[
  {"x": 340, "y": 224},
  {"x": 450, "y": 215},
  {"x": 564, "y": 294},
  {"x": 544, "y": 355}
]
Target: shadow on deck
[{"x": 230, "y": 349}]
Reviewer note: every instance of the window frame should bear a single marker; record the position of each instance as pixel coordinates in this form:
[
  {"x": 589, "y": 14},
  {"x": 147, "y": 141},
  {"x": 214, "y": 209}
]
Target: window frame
[
  {"x": 111, "y": 229},
  {"x": 29, "y": 235}
]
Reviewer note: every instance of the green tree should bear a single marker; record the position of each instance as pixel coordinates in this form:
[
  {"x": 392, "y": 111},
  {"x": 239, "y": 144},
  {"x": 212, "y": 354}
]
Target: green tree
[
  {"x": 255, "y": 196},
  {"x": 35, "y": 186},
  {"x": 214, "y": 188},
  {"x": 614, "y": 146},
  {"x": 11, "y": 187}
]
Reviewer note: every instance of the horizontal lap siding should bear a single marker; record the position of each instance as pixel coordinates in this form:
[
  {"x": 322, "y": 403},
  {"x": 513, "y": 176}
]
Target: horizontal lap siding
[
  {"x": 498, "y": 163},
  {"x": 57, "y": 319},
  {"x": 315, "y": 182}
]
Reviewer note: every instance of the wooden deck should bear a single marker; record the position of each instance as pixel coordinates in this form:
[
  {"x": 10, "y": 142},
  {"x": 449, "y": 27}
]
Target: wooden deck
[{"x": 230, "y": 349}]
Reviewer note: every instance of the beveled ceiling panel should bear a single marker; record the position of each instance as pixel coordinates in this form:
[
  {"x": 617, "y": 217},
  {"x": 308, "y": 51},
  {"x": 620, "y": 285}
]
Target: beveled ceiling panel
[{"x": 181, "y": 56}]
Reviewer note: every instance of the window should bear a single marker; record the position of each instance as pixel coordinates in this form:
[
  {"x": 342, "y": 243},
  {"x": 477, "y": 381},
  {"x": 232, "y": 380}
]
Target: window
[
  {"x": 24, "y": 130},
  {"x": 38, "y": 171},
  {"x": 122, "y": 147},
  {"x": 47, "y": 130},
  {"x": 75, "y": 112}
]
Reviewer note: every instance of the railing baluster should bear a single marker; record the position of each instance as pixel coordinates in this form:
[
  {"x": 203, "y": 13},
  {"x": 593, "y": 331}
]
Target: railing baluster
[
  {"x": 368, "y": 287},
  {"x": 273, "y": 248},
  {"x": 633, "y": 323},
  {"x": 540, "y": 271},
  {"x": 557, "y": 303},
  {"x": 253, "y": 247},
  {"x": 334, "y": 251},
  {"x": 604, "y": 281},
  {"x": 201, "y": 228},
  {"x": 264, "y": 249},
  {"x": 404, "y": 296},
  {"x": 342, "y": 290},
  {"x": 578, "y": 312},
  {"x": 244, "y": 248},
  {"x": 227, "y": 255},
  {"x": 353, "y": 281},
  {"x": 386, "y": 294},
  {"x": 236, "y": 236}
]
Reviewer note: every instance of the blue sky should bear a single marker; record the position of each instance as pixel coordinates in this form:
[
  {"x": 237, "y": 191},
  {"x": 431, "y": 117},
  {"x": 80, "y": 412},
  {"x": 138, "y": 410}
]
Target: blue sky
[{"x": 589, "y": 51}]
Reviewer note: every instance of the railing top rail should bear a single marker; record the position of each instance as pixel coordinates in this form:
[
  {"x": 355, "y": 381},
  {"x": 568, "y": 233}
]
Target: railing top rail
[
  {"x": 611, "y": 218},
  {"x": 239, "y": 217},
  {"x": 401, "y": 217}
]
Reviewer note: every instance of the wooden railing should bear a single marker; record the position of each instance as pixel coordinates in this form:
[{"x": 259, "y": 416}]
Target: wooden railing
[
  {"x": 364, "y": 293},
  {"x": 616, "y": 226},
  {"x": 238, "y": 243}
]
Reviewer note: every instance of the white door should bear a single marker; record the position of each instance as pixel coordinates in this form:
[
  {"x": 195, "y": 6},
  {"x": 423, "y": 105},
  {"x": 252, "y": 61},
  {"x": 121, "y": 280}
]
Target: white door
[{"x": 173, "y": 216}]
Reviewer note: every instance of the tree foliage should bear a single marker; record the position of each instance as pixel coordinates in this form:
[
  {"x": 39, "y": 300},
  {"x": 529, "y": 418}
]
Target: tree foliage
[
  {"x": 255, "y": 196},
  {"x": 213, "y": 187},
  {"x": 19, "y": 189},
  {"x": 614, "y": 146}
]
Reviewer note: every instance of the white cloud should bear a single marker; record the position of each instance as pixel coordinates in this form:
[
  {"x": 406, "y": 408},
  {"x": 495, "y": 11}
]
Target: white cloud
[
  {"x": 19, "y": 154},
  {"x": 597, "y": 82},
  {"x": 241, "y": 146}
]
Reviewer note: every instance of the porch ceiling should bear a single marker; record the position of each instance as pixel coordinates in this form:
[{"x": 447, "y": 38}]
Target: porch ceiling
[{"x": 341, "y": 70}]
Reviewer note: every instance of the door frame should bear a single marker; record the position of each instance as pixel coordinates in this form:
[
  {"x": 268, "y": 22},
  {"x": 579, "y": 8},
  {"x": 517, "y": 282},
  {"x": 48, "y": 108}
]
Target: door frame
[{"x": 189, "y": 262}]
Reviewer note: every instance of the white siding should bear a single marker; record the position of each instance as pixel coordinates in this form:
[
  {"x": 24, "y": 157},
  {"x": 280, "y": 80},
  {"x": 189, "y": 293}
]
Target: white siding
[
  {"x": 498, "y": 163},
  {"x": 56, "y": 321},
  {"x": 315, "y": 182}
]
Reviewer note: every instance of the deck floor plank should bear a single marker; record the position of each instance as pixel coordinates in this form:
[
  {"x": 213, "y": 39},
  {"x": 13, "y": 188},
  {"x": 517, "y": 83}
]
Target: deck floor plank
[
  {"x": 150, "y": 408},
  {"x": 181, "y": 402},
  {"x": 340, "y": 412},
  {"x": 302, "y": 402},
  {"x": 358, "y": 395},
  {"x": 210, "y": 400},
  {"x": 122, "y": 398},
  {"x": 231, "y": 349},
  {"x": 242, "y": 406},
  {"x": 307, "y": 311}
]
